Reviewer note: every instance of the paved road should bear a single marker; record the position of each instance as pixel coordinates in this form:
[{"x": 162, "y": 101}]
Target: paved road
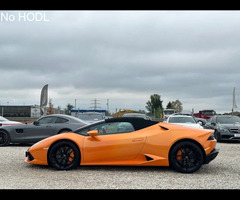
[{"x": 222, "y": 173}]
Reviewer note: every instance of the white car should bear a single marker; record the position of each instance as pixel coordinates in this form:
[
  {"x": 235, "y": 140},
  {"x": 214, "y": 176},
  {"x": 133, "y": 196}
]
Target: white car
[
  {"x": 91, "y": 117},
  {"x": 183, "y": 120},
  {"x": 4, "y": 122}
]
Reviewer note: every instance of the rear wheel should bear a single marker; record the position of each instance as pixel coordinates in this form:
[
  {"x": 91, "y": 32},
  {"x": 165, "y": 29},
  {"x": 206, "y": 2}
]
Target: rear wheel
[
  {"x": 64, "y": 155},
  {"x": 186, "y": 157},
  {"x": 4, "y": 138}
]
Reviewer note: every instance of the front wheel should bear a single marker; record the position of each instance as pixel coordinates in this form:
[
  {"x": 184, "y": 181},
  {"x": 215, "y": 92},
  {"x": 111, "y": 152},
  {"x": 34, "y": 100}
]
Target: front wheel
[
  {"x": 186, "y": 157},
  {"x": 64, "y": 155}
]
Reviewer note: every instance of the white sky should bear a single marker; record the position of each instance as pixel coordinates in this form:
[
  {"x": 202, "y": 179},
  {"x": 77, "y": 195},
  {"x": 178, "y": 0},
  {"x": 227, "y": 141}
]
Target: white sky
[{"x": 123, "y": 56}]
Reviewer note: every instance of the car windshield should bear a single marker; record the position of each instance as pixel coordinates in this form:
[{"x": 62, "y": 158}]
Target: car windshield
[
  {"x": 90, "y": 117},
  {"x": 181, "y": 120},
  {"x": 209, "y": 112},
  {"x": 228, "y": 120}
]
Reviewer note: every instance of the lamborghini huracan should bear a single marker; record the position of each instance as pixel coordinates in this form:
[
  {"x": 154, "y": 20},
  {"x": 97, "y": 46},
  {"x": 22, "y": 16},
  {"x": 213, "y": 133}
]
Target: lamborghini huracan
[{"x": 127, "y": 141}]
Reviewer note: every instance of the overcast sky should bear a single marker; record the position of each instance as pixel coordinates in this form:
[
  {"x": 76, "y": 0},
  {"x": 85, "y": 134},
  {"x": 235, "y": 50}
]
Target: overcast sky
[{"x": 123, "y": 56}]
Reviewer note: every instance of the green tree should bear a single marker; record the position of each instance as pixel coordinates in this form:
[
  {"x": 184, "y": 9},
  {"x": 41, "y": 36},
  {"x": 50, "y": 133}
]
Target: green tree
[
  {"x": 68, "y": 109},
  {"x": 177, "y": 106},
  {"x": 154, "y": 105},
  {"x": 169, "y": 105}
]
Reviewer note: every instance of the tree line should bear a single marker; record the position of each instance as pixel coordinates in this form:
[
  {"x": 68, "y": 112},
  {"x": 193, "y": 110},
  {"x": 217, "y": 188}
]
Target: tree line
[
  {"x": 153, "y": 105},
  {"x": 155, "y": 108}
]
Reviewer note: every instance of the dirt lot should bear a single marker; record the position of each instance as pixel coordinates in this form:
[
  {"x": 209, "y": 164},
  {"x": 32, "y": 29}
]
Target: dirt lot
[{"x": 221, "y": 173}]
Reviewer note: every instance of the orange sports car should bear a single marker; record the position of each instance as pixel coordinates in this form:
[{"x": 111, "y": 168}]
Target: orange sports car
[{"x": 127, "y": 141}]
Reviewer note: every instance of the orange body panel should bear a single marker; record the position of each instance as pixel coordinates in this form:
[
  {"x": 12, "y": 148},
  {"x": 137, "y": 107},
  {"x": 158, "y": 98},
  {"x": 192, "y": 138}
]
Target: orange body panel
[{"x": 149, "y": 146}]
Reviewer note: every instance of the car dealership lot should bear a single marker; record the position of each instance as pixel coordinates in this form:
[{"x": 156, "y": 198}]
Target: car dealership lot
[{"x": 221, "y": 173}]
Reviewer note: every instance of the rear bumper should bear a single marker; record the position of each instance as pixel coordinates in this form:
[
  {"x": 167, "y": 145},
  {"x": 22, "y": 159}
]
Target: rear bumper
[{"x": 212, "y": 155}]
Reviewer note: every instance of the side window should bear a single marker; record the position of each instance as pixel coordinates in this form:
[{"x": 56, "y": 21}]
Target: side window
[
  {"x": 61, "y": 120},
  {"x": 108, "y": 128},
  {"x": 47, "y": 120},
  {"x": 113, "y": 128},
  {"x": 83, "y": 131},
  {"x": 125, "y": 127}
]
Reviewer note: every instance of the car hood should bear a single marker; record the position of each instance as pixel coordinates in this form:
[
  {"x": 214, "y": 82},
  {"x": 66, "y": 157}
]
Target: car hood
[
  {"x": 4, "y": 123},
  {"x": 14, "y": 126}
]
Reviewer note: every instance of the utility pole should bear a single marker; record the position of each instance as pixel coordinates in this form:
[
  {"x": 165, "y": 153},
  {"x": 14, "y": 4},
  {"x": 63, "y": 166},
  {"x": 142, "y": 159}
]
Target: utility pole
[
  {"x": 234, "y": 101},
  {"x": 107, "y": 106},
  {"x": 75, "y": 104}
]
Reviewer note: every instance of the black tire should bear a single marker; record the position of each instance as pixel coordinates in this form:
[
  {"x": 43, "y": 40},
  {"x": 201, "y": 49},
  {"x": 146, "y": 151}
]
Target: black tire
[
  {"x": 4, "y": 138},
  {"x": 64, "y": 155},
  {"x": 186, "y": 157}
]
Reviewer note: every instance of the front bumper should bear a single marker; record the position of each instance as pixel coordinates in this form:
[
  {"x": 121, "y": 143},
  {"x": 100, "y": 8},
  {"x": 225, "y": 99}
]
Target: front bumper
[
  {"x": 229, "y": 137},
  {"x": 37, "y": 156},
  {"x": 212, "y": 155}
]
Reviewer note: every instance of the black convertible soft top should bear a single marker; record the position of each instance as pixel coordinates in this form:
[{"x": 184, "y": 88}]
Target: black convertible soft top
[{"x": 137, "y": 122}]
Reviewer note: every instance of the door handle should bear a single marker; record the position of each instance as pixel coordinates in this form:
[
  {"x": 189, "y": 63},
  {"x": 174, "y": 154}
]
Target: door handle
[{"x": 137, "y": 140}]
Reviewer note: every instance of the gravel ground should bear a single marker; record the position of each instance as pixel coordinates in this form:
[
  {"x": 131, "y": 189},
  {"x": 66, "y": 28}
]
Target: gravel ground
[{"x": 221, "y": 173}]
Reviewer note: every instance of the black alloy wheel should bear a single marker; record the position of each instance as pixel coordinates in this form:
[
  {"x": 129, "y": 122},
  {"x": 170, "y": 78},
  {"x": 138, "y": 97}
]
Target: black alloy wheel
[
  {"x": 4, "y": 138},
  {"x": 186, "y": 157},
  {"x": 64, "y": 155}
]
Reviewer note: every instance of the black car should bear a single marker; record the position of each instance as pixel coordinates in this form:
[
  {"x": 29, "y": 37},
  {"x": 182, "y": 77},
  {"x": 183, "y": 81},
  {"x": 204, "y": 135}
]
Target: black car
[{"x": 227, "y": 127}]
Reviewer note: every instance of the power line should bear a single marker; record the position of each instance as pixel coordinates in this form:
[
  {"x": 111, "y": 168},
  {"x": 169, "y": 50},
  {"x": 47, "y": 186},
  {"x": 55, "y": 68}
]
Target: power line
[{"x": 95, "y": 104}]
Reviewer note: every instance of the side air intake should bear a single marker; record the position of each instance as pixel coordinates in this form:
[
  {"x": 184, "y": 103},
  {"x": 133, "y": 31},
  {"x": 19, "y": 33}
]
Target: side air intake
[
  {"x": 164, "y": 128},
  {"x": 148, "y": 158}
]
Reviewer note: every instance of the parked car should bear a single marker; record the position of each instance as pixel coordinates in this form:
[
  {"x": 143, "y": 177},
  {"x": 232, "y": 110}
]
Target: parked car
[
  {"x": 91, "y": 117},
  {"x": 167, "y": 113},
  {"x": 227, "y": 127},
  {"x": 5, "y": 122},
  {"x": 43, "y": 127},
  {"x": 205, "y": 114},
  {"x": 127, "y": 141},
  {"x": 183, "y": 120}
]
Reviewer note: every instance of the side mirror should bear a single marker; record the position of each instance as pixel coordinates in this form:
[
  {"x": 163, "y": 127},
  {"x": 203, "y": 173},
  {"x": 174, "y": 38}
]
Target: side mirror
[
  {"x": 36, "y": 123},
  {"x": 92, "y": 133},
  {"x": 200, "y": 123}
]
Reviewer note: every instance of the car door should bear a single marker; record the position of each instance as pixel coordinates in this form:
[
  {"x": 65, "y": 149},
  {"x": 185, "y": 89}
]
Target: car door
[
  {"x": 115, "y": 141},
  {"x": 42, "y": 128}
]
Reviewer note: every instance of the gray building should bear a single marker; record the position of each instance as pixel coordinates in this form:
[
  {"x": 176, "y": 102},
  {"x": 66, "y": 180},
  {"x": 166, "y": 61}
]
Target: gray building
[{"x": 19, "y": 111}]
